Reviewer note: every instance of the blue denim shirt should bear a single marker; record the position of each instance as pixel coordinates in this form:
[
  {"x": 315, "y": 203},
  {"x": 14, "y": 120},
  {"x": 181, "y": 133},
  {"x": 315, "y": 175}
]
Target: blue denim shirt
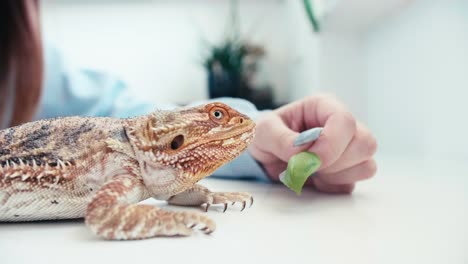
[{"x": 70, "y": 90}]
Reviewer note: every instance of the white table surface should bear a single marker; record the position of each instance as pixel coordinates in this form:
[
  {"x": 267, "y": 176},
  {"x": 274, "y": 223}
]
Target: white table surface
[{"x": 411, "y": 212}]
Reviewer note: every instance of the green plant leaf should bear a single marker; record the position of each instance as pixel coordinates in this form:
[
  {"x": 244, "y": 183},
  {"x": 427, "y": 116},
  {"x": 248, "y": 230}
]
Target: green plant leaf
[
  {"x": 311, "y": 15},
  {"x": 300, "y": 167}
]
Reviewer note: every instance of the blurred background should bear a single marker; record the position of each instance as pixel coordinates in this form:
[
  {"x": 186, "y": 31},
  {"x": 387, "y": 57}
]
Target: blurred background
[{"x": 401, "y": 66}]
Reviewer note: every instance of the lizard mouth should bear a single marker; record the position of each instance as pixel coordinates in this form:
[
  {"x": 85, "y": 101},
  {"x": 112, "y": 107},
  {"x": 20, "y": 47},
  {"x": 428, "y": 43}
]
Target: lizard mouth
[
  {"x": 247, "y": 128},
  {"x": 239, "y": 140},
  {"x": 236, "y": 136}
]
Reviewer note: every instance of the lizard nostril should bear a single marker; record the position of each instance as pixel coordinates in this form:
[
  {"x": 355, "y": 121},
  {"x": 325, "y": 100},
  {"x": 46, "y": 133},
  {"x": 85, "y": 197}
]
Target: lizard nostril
[{"x": 241, "y": 120}]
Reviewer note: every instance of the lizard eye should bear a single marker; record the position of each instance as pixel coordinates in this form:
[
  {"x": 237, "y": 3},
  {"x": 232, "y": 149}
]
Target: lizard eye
[
  {"x": 177, "y": 142},
  {"x": 219, "y": 115}
]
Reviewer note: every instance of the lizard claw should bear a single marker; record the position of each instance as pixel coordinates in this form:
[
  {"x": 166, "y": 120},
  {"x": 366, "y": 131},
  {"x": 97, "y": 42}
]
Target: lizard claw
[
  {"x": 226, "y": 198},
  {"x": 243, "y": 205},
  {"x": 207, "y": 230},
  {"x": 193, "y": 219}
]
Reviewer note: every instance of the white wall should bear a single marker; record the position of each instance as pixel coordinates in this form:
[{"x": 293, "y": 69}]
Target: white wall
[
  {"x": 331, "y": 61},
  {"x": 342, "y": 70},
  {"x": 417, "y": 74},
  {"x": 303, "y": 52},
  {"x": 156, "y": 45}
]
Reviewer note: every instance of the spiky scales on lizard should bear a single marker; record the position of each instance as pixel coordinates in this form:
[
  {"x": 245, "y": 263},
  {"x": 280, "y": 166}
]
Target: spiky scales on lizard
[{"x": 99, "y": 168}]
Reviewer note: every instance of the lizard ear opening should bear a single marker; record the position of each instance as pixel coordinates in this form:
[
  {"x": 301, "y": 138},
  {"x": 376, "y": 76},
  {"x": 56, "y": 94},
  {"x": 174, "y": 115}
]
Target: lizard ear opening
[{"x": 177, "y": 142}]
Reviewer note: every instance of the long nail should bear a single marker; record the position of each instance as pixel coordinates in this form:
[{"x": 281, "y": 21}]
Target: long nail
[
  {"x": 207, "y": 206},
  {"x": 282, "y": 175},
  {"x": 243, "y": 205},
  {"x": 308, "y": 136},
  {"x": 225, "y": 207},
  {"x": 251, "y": 201}
]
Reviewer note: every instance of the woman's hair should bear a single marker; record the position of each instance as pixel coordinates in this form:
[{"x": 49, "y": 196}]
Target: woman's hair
[{"x": 21, "y": 61}]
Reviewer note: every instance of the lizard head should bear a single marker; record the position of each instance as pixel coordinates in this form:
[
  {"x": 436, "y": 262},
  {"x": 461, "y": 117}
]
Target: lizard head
[{"x": 176, "y": 149}]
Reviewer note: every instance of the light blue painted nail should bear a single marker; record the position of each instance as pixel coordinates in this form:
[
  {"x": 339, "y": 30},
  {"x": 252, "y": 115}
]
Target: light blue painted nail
[
  {"x": 282, "y": 176},
  {"x": 308, "y": 136}
]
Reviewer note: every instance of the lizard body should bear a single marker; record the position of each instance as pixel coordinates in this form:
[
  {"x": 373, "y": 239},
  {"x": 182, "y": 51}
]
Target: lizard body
[{"x": 99, "y": 168}]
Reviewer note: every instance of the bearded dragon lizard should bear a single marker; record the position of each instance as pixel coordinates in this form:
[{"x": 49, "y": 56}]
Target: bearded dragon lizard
[{"x": 99, "y": 168}]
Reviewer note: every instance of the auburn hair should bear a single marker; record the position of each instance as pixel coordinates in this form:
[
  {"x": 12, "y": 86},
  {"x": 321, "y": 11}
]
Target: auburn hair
[{"x": 21, "y": 59}]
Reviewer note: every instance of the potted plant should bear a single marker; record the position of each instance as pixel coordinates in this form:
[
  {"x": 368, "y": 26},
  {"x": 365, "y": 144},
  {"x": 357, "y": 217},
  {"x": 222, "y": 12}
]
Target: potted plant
[{"x": 231, "y": 66}]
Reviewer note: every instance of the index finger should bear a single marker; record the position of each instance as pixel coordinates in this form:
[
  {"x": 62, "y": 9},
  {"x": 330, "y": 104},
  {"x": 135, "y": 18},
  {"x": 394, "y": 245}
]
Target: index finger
[{"x": 339, "y": 127}]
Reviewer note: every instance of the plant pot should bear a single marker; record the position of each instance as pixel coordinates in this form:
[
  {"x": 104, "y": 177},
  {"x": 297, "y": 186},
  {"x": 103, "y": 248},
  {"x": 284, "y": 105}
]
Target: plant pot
[{"x": 222, "y": 83}]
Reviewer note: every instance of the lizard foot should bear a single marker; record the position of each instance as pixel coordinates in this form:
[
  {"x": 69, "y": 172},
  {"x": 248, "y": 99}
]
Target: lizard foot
[
  {"x": 125, "y": 222},
  {"x": 229, "y": 197},
  {"x": 191, "y": 220}
]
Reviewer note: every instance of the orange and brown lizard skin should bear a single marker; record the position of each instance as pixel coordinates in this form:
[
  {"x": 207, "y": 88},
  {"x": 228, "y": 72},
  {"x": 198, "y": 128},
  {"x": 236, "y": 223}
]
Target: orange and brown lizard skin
[{"x": 100, "y": 168}]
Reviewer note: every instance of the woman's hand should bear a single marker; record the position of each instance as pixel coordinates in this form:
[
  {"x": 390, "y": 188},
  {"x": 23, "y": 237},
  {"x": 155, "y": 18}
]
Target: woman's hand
[{"x": 345, "y": 146}]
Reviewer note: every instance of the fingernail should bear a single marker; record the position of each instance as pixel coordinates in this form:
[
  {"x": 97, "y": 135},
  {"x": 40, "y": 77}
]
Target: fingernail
[
  {"x": 282, "y": 176},
  {"x": 308, "y": 136}
]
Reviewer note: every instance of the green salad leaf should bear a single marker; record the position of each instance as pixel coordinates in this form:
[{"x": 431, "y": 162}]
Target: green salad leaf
[{"x": 300, "y": 167}]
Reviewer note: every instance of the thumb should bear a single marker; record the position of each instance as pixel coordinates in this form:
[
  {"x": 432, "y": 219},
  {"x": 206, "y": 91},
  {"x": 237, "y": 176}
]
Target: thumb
[{"x": 276, "y": 137}]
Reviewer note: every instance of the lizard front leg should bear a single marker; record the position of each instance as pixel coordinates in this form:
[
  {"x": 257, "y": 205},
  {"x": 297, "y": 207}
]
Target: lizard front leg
[
  {"x": 113, "y": 214},
  {"x": 198, "y": 195}
]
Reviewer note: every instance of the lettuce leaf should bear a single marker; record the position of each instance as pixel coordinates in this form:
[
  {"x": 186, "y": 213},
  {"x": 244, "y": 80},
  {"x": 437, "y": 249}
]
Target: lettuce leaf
[{"x": 300, "y": 167}]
